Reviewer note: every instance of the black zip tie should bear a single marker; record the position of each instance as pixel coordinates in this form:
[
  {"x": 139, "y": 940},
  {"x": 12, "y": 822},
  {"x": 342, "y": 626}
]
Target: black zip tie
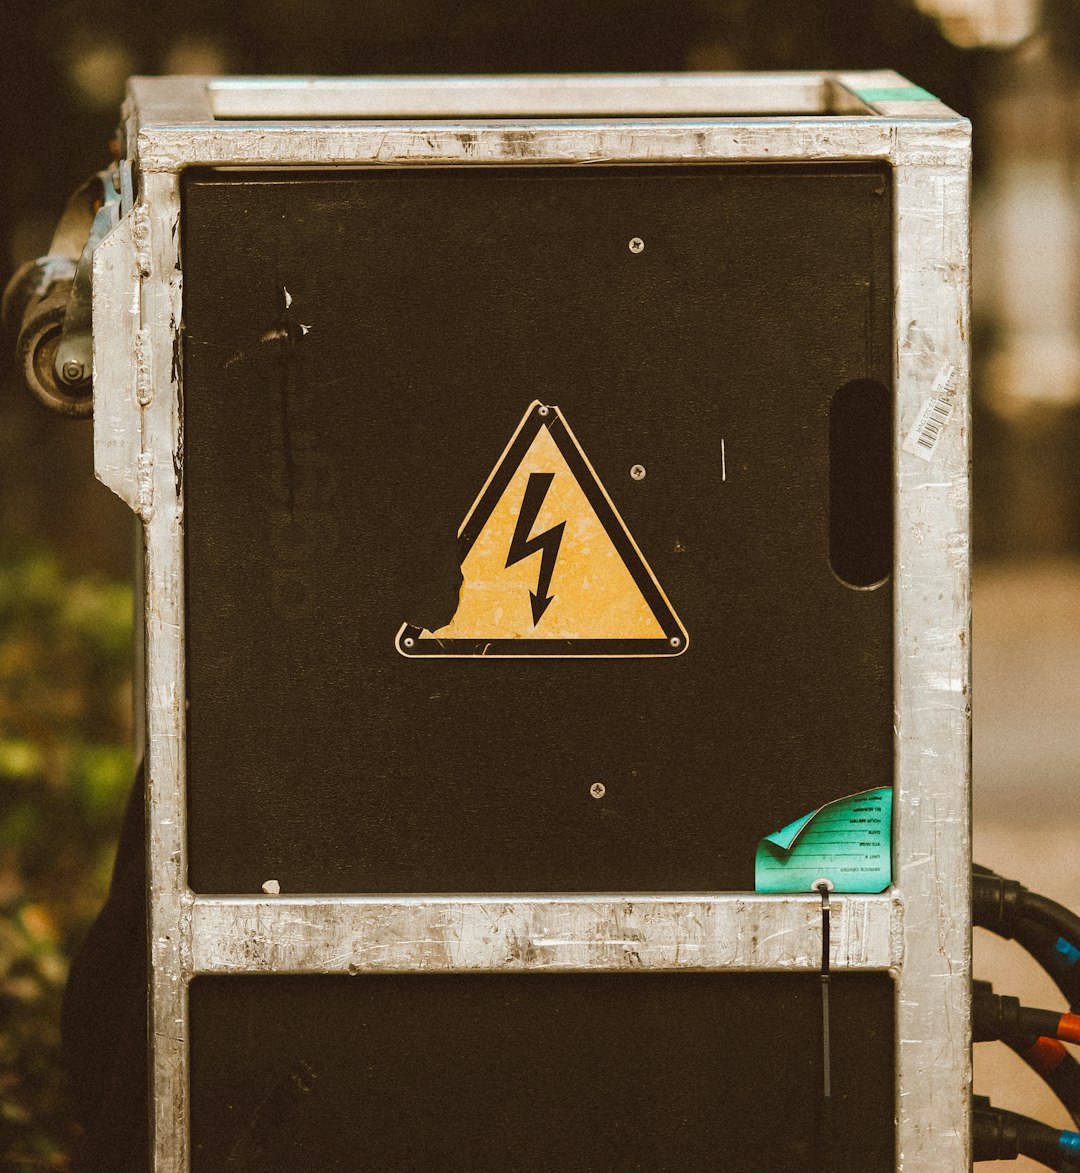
[{"x": 824, "y": 887}]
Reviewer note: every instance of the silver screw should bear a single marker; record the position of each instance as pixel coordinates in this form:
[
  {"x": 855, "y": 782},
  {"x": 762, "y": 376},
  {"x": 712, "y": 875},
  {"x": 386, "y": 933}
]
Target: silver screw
[
  {"x": 541, "y": 411},
  {"x": 637, "y": 245},
  {"x": 638, "y": 472},
  {"x": 72, "y": 371},
  {"x": 408, "y": 641},
  {"x": 675, "y": 641},
  {"x": 597, "y": 790}
]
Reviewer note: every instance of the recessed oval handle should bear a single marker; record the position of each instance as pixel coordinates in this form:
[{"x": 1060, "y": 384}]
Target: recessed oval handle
[{"x": 860, "y": 484}]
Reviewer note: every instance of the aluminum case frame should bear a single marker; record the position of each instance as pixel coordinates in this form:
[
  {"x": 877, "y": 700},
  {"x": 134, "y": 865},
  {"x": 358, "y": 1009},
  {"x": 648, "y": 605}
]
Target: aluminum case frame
[{"x": 920, "y": 930}]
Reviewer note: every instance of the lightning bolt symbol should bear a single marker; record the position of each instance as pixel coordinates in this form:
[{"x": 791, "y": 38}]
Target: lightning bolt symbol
[{"x": 521, "y": 545}]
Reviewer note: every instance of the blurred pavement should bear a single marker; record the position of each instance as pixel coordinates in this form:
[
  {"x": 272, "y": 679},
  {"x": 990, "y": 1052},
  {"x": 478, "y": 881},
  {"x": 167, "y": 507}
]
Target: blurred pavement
[{"x": 1026, "y": 706}]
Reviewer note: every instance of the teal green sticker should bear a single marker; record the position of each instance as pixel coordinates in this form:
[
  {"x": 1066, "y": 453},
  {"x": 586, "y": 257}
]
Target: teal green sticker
[
  {"x": 789, "y": 834},
  {"x": 848, "y": 842},
  {"x": 896, "y": 94}
]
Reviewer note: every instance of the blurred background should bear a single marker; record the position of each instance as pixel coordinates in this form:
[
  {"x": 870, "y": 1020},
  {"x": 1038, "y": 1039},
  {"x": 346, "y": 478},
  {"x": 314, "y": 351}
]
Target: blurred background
[{"x": 66, "y": 545}]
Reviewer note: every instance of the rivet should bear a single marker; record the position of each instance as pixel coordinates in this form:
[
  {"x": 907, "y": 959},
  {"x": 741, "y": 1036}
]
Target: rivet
[
  {"x": 597, "y": 790},
  {"x": 408, "y": 641},
  {"x": 675, "y": 641},
  {"x": 637, "y": 245}
]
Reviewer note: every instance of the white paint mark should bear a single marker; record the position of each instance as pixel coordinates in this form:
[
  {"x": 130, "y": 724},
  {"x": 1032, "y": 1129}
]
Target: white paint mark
[
  {"x": 723, "y": 460},
  {"x": 288, "y": 297}
]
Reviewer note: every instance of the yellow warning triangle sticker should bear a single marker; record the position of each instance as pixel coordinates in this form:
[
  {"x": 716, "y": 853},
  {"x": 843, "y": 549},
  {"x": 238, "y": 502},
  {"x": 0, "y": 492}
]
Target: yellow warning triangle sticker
[{"x": 548, "y": 566}]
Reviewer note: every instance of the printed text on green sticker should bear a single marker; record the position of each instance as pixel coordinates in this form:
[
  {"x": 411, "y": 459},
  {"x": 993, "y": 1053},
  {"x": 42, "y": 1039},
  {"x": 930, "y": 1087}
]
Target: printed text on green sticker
[{"x": 848, "y": 841}]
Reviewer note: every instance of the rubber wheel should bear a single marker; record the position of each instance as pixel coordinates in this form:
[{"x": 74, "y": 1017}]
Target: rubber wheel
[{"x": 38, "y": 341}]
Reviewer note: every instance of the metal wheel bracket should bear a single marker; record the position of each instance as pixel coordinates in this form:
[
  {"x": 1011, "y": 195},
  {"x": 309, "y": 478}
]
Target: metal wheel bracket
[{"x": 48, "y": 301}]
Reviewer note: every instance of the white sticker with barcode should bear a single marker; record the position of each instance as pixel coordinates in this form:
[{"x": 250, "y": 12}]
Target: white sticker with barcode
[{"x": 934, "y": 415}]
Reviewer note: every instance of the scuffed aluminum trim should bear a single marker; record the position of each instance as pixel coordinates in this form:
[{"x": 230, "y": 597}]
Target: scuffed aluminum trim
[
  {"x": 162, "y": 513},
  {"x": 116, "y": 314},
  {"x": 356, "y": 934},
  {"x": 168, "y": 147},
  {"x": 535, "y": 95},
  {"x": 178, "y": 99},
  {"x": 792, "y": 95},
  {"x": 932, "y": 831}
]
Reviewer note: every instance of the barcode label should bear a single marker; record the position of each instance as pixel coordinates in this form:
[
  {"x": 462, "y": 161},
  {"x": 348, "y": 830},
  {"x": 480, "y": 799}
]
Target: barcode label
[
  {"x": 923, "y": 438},
  {"x": 935, "y": 413}
]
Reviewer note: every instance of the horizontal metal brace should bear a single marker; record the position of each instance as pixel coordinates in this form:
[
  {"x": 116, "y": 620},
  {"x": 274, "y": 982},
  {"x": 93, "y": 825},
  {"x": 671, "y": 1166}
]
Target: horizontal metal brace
[
  {"x": 169, "y": 148},
  {"x": 362, "y": 934}
]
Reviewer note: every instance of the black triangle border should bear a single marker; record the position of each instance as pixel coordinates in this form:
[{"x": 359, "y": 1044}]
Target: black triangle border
[{"x": 412, "y": 643}]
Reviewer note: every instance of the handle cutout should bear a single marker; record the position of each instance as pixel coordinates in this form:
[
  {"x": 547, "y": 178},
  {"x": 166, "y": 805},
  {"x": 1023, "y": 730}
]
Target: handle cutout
[{"x": 860, "y": 484}]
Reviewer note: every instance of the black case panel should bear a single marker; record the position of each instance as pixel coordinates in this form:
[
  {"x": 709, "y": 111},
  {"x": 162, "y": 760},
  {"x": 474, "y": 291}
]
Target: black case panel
[
  {"x": 359, "y": 347},
  {"x": 528, "y": 1073}
]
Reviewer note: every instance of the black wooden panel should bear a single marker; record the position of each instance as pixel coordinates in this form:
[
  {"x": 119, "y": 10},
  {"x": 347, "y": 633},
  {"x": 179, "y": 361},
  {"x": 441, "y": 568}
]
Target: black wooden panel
[
  {"x": 527, "y": 1073},
  {"x": 332, "y": 446}
]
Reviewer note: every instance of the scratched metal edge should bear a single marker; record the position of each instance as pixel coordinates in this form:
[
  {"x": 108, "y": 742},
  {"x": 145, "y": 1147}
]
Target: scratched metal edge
[
  {"x": 116, "y": 443},
  {"x": 932, "y": 633},
  {"x": 415, "y": 96},
  {"x": 164, "y": 147},
  {"x": 160, "y": 505},
  {"x": 510, "y": 932},
  {"x": 177, "y": 128},
  {"x": 787, "y": 94},
  {"x": 168, "y": 124}
]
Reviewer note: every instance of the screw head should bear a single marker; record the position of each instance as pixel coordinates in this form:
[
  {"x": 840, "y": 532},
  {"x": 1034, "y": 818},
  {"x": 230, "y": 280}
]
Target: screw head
[
  {"x": 636, "y": 245},
  {"x": 638, "y": 472},
  {"x": 597, "y": 790},
  {"x": 675, "y": 641},
  {"x": 72, "y": 371}
]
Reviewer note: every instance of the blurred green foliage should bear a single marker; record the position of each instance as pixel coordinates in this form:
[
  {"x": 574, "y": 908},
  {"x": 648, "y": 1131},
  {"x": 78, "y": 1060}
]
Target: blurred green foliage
[{"x": 65, "y": 772}]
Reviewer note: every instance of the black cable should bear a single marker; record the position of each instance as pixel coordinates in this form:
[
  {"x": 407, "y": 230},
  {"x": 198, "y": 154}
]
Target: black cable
[
  {"x": 1000, "y": 1016},
  {"x": 1055, "y": 953},
  {"x": 1034, "y": 1035},
  {"x": 995, "y": 903},
  {"x": 1055, "y": 1067},
  {"x": 1000, "y": 904},
  {"x": 1003, "y": 1136},
  {"x": 1046, "y": 929},
  {"x": 1045, "y": 911}
]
